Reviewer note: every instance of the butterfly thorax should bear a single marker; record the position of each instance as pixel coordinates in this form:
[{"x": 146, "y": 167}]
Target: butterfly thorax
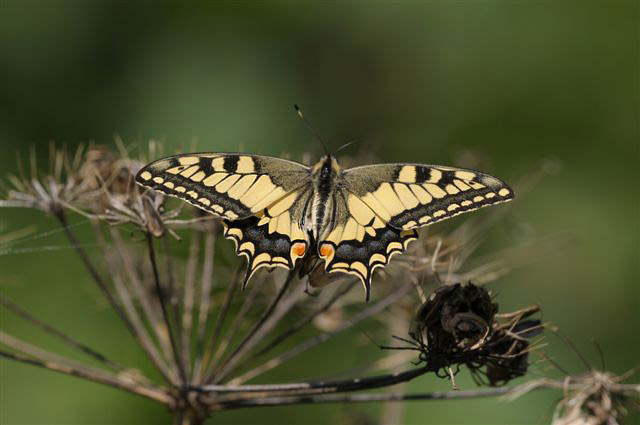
[{"x": 324, "y": 178}]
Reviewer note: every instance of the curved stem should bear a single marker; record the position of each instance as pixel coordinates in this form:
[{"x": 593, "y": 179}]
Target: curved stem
[
  {"x": 361, "y": 398},
  {"x": 165, "y": 312}
]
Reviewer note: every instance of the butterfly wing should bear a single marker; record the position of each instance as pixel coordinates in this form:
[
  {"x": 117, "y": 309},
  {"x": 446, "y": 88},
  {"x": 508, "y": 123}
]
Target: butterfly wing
[
  {"x": 274, "y": 237},
  {"x": 261, "y": 199},
  {"x": 359, "y": 240},
  {"x": 229, "y": 185},
  {"x": 409, "y": 196},
  {"x": 378, "y": 208}
]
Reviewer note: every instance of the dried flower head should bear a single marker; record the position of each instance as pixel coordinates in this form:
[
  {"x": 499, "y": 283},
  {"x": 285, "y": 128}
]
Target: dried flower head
[
  {"x": 457, "y": 325},
  {"x": 593, "y": 398},
  {"x": 94, "y": 182},
  {"x": 49, "y": 192}
]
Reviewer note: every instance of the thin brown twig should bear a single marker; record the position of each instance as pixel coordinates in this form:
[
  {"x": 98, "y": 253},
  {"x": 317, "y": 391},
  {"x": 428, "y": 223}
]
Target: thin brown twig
[
  {"x": 220, "y": 319},
  {"x": 93, "y": 375},
  {"x": 316, "y": 387},
  {"x": 360, "y": 398},
  {"x": 318, "y": 339},
  {"x": 137, "y": 330},
  {"x": 166, "y": 368},
  {"x": 151, "y": 310},
  {"x": 16, "y": 309},
  {"x": 165, "y": 313},
  {"x": 244, "y": 345},
  {"x": 188, "y": 299},
  {"x": 304, "y": 322},
  {"x": 93, "y": 272},
  {"x": 239, "y": 318},
  {"x": 141, "y": 335},
  {"x": 171, "y": 289},
  {"x": 206, "y": 287}
]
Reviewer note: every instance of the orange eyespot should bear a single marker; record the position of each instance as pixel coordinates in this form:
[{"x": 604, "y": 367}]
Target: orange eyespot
[
  {"x": 298, "y": 249},
  {"x": 326, "y": 250}
]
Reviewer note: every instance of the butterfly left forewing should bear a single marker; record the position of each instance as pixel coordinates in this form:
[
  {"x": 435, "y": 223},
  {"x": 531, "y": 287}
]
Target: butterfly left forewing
[
  {"x": 261, "y": 199},
  {"x": 229, "y": 185}
]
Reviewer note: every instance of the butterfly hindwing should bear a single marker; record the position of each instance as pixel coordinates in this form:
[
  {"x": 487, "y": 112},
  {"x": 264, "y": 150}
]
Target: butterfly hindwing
[
  {"x": 409, "y": 196},
  {"x": 273, "y": 237},
  {"x": 229, "y": 185},
  {"x": 359, "y": 241}
]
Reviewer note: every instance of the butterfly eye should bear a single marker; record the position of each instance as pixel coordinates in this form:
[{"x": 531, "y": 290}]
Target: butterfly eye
[
  {"x": 326, "y": 250},
  {"x": 298, "y": 249}
]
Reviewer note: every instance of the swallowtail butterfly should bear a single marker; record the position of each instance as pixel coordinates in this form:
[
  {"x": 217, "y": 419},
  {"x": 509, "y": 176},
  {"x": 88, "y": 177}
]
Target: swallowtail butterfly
[{"x": 279, "y": 211}]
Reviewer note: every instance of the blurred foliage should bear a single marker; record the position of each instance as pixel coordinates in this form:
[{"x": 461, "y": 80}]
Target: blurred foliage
[{"x": 511, "y": 82}]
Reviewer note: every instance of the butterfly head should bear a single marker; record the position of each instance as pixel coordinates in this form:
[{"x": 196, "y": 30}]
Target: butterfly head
[{"x": 326, "y": 167}]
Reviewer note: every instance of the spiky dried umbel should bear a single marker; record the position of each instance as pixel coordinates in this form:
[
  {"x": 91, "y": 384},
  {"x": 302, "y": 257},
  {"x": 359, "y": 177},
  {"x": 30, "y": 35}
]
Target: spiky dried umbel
[
  {"x": 205, "y": 339},
  {"x": 593, "y": 398}
]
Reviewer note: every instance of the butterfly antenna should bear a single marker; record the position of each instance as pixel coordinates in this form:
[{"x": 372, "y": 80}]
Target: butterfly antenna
[
  {"x": 313, "y": 130},
  {"x": 346, "y": 145}
]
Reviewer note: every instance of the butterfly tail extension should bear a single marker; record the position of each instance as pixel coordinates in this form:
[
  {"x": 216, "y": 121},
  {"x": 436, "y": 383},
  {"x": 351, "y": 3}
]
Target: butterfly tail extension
[{"x": 361, "y": 257}]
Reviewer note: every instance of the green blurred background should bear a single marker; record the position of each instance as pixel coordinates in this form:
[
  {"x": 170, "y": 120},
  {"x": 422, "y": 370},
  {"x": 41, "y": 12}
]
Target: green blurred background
[{"x": 513, "y": 82}]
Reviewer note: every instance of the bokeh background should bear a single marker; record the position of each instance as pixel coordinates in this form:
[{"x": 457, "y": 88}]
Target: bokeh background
[{"x": 516, "y": 84}]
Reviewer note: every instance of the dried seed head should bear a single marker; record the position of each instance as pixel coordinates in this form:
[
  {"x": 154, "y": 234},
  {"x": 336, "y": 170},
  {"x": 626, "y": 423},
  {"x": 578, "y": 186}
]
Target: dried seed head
[
  {"x": 458, "y": 325},
  {"x": 103, "y": 174},
  {"x": 454, "y": 318},
  {"x": 48, "y": 192},
  {"x": 97, "y": 183},
  {"x": 597, "y": 398},
  {"x": 509, "y": 358}
]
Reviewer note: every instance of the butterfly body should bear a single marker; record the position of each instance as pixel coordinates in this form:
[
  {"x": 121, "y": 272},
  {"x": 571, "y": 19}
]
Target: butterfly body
[{"x": 278, "y": 211}]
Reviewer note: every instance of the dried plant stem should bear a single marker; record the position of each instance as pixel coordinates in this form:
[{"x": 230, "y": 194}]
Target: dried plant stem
[
  {"x": 316, "y": 387},
  {"x": 94, "y": 375},
  {"x": 151, "y": 310},
  {"x": 361, "y": 398},
  {"x": 318, "y": 339},
  {"x": 244, "y": 345},
  {"x": 165, "y": 312},
  {"x": 304, "y": 322},
  {"x": 188, "y": 299},
  {"x": 136, "y": 329},
  {"x": 93, "y": 272},
  {"x": 392, "y": 413},
  {"x": 217, "y": 330},
  {"x": 173, "y": 300},
  {"x": 206, "y": 287},
  {"x": 142, "y": 336},
  {"x": 60, "y": 335},
  {"x": 240, "y": 316},
  {"x": 166, "y": 368}
]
